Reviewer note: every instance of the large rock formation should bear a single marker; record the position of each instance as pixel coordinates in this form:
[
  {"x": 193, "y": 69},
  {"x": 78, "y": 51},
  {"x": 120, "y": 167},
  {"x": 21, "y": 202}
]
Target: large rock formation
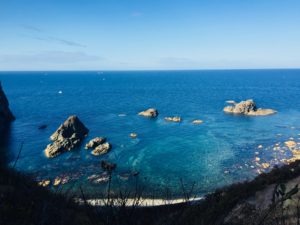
[
  {"x": 6, "y": 115},
  {"x": 66, "y": 137},
  {"x": 149, "y": 113},
  {"x": 247, "y": 107}
]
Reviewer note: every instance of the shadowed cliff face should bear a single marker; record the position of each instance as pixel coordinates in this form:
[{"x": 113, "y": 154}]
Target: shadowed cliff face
[{"x": 6, "y": 117}]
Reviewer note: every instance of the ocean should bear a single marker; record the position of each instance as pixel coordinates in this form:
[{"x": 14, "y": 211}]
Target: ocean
[{"x": 171, "y": 158}]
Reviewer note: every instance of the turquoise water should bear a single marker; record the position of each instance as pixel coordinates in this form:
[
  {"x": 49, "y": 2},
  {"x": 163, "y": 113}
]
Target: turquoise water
[{"x": 218, "y": 152}]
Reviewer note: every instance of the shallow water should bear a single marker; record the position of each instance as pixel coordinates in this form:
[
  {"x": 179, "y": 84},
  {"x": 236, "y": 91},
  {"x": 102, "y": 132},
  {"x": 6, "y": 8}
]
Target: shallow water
[{"x": 218, "y": 152}]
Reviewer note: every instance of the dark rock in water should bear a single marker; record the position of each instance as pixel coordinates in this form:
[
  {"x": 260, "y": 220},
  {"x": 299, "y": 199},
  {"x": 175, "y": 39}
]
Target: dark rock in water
[
  {"x": 135, "y": 173},
  {"x": 42, "y": 127},
  {"x": 108, "y": 166},
  {"x": 247, "y": 107},
  {"x": 68, "y": 136},
  {"x": 6, "y": 115}
]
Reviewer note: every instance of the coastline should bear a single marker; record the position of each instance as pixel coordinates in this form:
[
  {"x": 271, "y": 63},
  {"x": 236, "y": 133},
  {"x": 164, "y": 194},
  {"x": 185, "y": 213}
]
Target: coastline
[{"x": 140, "y": 202}]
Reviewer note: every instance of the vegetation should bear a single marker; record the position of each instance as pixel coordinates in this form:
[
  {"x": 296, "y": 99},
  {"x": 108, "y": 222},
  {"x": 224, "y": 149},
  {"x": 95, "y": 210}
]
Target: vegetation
[{"x": 22, "y": 201}]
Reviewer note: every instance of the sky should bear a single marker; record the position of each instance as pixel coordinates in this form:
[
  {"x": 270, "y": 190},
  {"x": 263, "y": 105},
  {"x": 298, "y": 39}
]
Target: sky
[{"x": 149, "y": 34}]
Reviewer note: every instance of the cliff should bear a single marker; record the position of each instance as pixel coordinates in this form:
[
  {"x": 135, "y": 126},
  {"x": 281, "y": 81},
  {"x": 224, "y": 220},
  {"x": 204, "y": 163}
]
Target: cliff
[{"x": 6, "y": 115}]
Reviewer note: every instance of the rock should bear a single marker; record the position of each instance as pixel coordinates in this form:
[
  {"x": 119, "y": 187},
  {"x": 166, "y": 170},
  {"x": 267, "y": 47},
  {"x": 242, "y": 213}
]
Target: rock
[
  {"x": 262, "y": 112},
  {"x": 296, "y": 152},
  {"x": 149, "y": 113},
  {"x": 104, "y": 177},
  {"x": 249, "y": 108},
  {"x": 6, "y": 115},
  {"x": 68, "y": 136},
  {"x": 197, "y": 121},
  {"x": 108, "y": 166},
  {"x": 44, "y": 183},
  {"x": 173, "y": 119},
  {"x": 95, "y": 142},
  {"x": 133, "y": 135},
  {"x": 57, "y": 181},
  {"x": 265, "y": 165},
  {"x": 65, "y": 180},
  {"x": 290, "y": 144},
  {"x": 101, "y": 149},
  {"x": 135, "y": 173},
  {"x": 231, "y": 102}
]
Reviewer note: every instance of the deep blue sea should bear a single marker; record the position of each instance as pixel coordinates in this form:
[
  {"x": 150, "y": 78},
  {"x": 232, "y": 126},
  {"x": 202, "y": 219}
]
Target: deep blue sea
[{"x": 218, "y": 152}]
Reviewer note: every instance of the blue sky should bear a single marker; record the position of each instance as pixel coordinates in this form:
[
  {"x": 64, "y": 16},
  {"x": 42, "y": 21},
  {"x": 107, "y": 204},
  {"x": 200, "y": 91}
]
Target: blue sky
[{"x": 149, "y": 34}]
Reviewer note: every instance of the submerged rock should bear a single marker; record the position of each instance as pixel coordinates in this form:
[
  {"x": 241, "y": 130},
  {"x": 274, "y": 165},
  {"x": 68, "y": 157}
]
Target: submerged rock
[
  {"x": 265, "y": 165},
  {"x": 95, "y": 142},
  {"x": 102, "y": 149},
  {"x": 6, "y": 115},
  {"x": 101, "y": 178},
  {"x": 290, "y": 144},
  {"x": 173, "y": 119},
  {"x": 68, "y": 136},
  {"x": 44, "y": 183},
  {"x": 105, "y": 165},
  {"x": 197, "y": 121},
  {"x": 149, "y": 113},
  {"x": 247, "y": 107},
  {"x": 133, "y": 135},
  {"x": 42, "y": 127},
  {"x": 124, "y": 176}
]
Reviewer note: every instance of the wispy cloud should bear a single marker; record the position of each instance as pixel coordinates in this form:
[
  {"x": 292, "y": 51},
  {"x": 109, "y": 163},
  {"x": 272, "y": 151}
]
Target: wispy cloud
[
  {"x": 49, "y": 57},
  {"x": 31, "y": 28},
  {"x": 59, "y": 40},
  {"x": 50, "y": 60},
  {"x": 42, "y": 36}
]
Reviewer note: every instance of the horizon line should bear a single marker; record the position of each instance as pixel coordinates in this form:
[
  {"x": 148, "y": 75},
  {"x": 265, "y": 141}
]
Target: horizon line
[{"x": 151, "y": 70}]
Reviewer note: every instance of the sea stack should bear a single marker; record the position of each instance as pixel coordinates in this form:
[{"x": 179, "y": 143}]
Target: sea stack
[
  {"x": 149, "y": 113},
  {"x": 248, "y": 108},
  {"x": 6, "y": 115},
  {"x": 68, "y": 136}
]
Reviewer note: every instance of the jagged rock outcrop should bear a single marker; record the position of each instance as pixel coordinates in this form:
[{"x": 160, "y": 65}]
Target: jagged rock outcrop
[
  {"x": 102, "y": 149},
  {"x": 149, "y": 113},
  {"x": 247, "y": 107},
  {"x": 68, "y": 136},
  {"x": 6, "y": 115},
  {"x": 95, "y": 142}
]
